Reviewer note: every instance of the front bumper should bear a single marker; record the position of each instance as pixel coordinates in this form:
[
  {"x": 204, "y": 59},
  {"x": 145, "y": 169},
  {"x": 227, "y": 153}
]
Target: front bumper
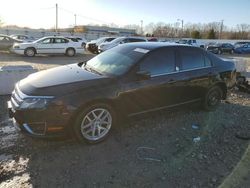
[
  {"x": 17, "y": 51},
  {"x": 36, "y": 123}
]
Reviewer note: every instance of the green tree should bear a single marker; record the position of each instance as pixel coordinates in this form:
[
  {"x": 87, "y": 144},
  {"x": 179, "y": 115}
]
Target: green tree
[
  {"x": 195, "y": 34},
  {"x": 211, "y": 34}
]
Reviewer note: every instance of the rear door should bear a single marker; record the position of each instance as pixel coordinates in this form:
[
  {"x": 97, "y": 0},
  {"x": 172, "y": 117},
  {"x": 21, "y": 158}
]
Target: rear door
[
  {"x": 195, "y": 71},
  {"x": 59, "y": 45}
]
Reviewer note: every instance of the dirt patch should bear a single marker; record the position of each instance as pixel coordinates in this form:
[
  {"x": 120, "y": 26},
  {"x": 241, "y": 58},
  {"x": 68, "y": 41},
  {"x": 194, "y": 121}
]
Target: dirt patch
[{"x": 184, "y": 147}]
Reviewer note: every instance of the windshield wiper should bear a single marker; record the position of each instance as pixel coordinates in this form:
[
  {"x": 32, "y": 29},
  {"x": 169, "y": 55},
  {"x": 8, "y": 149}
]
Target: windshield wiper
[
  {"x": 90, "y": 69},
  {"x": 94, "y": 71}
]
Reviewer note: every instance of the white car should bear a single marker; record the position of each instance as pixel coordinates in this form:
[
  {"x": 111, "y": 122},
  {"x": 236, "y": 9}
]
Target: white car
[
  {"x": 48, "y": 45},
  {"x": 120, "y": 40}
]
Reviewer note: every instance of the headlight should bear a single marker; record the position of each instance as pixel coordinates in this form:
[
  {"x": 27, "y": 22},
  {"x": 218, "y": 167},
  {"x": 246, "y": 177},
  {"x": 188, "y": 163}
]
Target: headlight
[{"x": 34, "y": 103}]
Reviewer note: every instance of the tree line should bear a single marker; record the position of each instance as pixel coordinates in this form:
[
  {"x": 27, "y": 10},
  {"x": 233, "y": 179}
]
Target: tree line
[{"x": 213, "y": 30}]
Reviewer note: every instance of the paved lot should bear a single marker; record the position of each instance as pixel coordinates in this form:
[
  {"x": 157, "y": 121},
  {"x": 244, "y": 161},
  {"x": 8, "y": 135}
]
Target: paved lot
[
  {"x": 184, "y": 147},
  {"x": 41, "y": 62}
]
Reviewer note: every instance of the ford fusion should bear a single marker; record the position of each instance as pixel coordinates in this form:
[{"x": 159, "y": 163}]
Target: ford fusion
[{"x": 88, "y": 98}]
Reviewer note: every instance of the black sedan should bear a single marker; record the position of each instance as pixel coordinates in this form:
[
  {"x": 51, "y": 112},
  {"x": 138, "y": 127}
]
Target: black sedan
[
  {"x": 89, "y": 98},
  {"x": 220, "y": 48}
]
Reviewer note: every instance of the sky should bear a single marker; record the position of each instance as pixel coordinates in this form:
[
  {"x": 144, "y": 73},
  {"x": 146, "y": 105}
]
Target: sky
[{"x": 41, "y": 14}]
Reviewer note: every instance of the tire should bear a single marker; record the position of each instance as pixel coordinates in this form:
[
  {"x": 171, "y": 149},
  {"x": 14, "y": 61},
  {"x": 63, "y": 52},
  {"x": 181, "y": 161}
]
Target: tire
[
  {"x": 219, "y": 51},
  {"x": 29, "y": 52},
  {"x": 231, "y": 52},
  {"x": 70, "y": 52},
  {"x": 212, "y": 98},
  {"x": 91, "y": 128}
]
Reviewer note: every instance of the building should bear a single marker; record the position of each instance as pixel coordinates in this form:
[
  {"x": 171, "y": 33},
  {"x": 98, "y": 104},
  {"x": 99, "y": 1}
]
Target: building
[{"x": 94, "y": 32}]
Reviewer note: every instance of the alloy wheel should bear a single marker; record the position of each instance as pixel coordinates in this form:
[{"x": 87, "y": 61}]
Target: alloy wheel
[{"x": 96, "y": 124}]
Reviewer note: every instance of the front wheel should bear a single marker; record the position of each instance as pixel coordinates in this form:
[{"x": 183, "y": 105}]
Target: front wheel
[
  {"x": 30, "y": 52},
  {"x": 94, "y": 123},
  {"x": 212, "y": 98}
]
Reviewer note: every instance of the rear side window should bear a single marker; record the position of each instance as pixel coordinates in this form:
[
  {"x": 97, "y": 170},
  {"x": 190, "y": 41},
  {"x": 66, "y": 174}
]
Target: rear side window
[
  {"x": 193, "y": 59},
  {"x": 136, "y": 40},
  {"x": 161, "y": 61}
]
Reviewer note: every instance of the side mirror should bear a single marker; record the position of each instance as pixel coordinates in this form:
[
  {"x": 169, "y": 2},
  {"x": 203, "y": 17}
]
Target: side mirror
[{"x": 143, "y": 75}]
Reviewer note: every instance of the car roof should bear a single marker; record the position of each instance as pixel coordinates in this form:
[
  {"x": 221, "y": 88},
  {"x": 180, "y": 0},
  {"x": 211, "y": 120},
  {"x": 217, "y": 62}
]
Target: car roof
[
  {"x": 155, "y": 45},
  {"x": 4, "y": 35}
]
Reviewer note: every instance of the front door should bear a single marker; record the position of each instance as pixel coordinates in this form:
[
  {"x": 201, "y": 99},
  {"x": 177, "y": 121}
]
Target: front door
[
  {"x": 45, "y": 46},
  {"x": 159, "y": 90}
]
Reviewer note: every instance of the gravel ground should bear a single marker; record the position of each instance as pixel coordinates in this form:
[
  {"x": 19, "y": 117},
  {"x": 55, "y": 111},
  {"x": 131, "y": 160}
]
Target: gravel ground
[{"x": 184, "y": 147}]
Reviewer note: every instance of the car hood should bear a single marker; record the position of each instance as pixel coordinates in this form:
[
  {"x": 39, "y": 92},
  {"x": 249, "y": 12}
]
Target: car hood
[{"x": 60, "y": 80}]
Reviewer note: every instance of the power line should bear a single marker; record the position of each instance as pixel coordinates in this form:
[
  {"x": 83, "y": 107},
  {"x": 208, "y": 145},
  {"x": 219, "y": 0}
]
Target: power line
[{"x": 85, "y": 17}]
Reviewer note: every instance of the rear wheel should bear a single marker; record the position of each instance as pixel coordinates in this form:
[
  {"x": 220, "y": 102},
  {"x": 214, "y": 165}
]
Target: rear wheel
[
  {"x": 219, "y": 51},
  {"x": 212, "y": 98},
  {"x": 30, "y": 52},
  {"x": 70, "y": 52},
  {"x": 94, "y": 123}
]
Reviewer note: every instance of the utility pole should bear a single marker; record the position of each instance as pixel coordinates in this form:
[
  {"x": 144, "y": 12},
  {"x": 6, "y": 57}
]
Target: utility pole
[
  {"x": 221, "y": 28},
  {"x": 56, "y": 17},
  {"x": 141, "y": 27},
  {"x": 75, "y": 19},
  {"x": 182, "y": 26}
]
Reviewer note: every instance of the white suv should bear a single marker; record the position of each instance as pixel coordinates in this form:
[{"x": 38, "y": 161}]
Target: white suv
[{"x": 119, "y": 40}]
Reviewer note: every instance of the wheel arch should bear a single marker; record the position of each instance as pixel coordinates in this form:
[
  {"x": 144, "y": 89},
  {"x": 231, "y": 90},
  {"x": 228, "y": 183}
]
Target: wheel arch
[
  {"x": 223, "y": 87},
  {"x": 70, "y": 48},
  {"x": 109, "y": 102},
  {"x": 31, "y": 47}
]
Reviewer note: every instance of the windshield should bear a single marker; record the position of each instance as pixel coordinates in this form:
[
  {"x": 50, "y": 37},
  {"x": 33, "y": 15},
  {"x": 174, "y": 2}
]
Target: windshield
[{"x": 116, "y": 61}]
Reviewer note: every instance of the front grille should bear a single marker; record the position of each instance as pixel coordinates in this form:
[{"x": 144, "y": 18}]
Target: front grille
[{"x": 16, "y": 99}]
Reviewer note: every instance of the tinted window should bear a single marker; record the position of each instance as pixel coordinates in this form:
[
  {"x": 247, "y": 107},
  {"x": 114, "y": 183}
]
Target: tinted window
[
  {"x": 191, "y": 59},
  {"x": 208, "y": 62},
  {"x": 109, "y": 39},
  {"x": 60, "y": 40},
  {"x": 159, "y": 62},
  {"x": 136, "y": 40}
]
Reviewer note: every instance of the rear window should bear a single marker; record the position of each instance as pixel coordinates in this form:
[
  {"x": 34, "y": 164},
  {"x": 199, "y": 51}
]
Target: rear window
[{"x": 193, "y": 59}]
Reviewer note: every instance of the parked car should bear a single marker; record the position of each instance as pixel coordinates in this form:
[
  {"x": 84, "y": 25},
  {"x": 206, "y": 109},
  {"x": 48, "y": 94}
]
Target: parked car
[
  {"x": 241, "y": 43},
  {"x": 92, "y": 46},
  {"x": 7, "y": 42},
  {"x": 80, "y": 40},
  {"x": 49, "y": 45},
  {"x": 192, "y": 42},
  {"x": 23, "y": 38},
  {"x": 220, "y": 48},
  {"x": 119, "y": 40},
  {"x": 243, "y": 49},
  {"x": 89, "y": 98}
]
